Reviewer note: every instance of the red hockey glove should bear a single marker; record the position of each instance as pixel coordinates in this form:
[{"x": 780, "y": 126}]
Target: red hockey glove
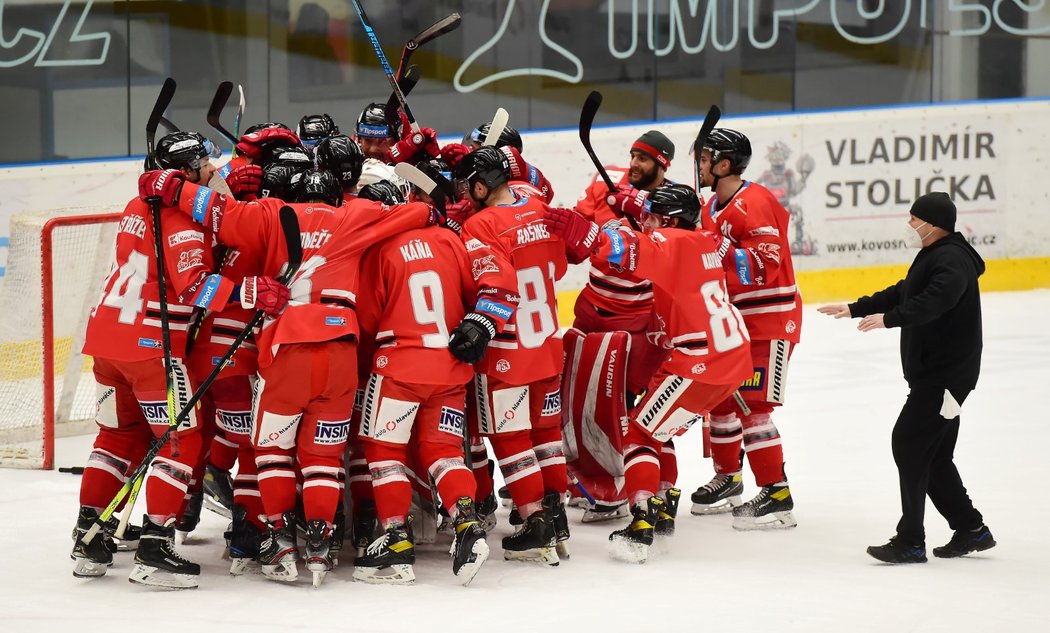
[
  {"x": 251, "y": 145},
  {"x": 453, "y": 153},
  {"x": 165, "y": 184},
  {"x": 245, "y": 182},
  {"x": 456, "y": 214},
  {"x": 413, "y": 144},
  {"x": 519, "y": 169},
  {"x": 264, "y": 293},
  {"x": 726, "y": 251},
  {"x": 579, "y": 233},
  {"x": 629, "y": 201}
]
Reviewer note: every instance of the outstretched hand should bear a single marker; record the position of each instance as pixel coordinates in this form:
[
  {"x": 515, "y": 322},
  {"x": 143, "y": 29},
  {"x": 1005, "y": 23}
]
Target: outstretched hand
[
  {"x": 871, "y": 322},
  {"x": 837, "y": 310}
]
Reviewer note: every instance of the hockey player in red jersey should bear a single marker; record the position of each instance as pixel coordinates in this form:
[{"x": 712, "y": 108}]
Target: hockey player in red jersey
[
  {"x": 762, "y": 286},
  {"x": 124, "y": 337},
  {"x": 706, "y": 336},
  {"x": 307, "y": 355},
  {"x": 614, "y": 301},
  {"x": 510, "y": 335},
  {"x": 420, "y": 280}
]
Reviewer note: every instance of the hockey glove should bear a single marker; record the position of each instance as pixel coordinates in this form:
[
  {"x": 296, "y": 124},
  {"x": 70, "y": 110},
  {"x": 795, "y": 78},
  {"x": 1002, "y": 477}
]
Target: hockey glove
[
  {"x": 629, "y": 201},
  {"x": 164, "y": 184},
  {"x": 453, "y": 153},
  {"x": 245, "y": 182},
  {"x": 415, "y": 146},
  {"x": 264, "y": 293},
  {"x": 471, "y": 337},
  {"x": 252, "y": 145},
  {"x": 579, "y": 233},
  {"x": 456, "y": 214}
]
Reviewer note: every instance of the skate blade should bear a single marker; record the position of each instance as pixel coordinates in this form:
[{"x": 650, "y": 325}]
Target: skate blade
[
  {"x": 563, "y": 549},
  {"x": 488, "y": 523},
  {"x": 628, "y": 551},
  {"x": 216, "y": 507},
  {"x": 319, "y": 578},
  {"x": 242, "y": 566},
  {"x": 594, "y": 516},
  {"x": 154, "y": 577},
  {"x": 480, "y": 550},
  {"x": 85, "y": 568},
  {"x": 392, "y": 575},
  {"x": 723, "y": 506},
  {"x": 579, "y": 502},
  {"x": 126, "y": 546},
  {"x": 543, "y": 555},
  {"x": 281, "y": 572},
  {"x": 774, "y": 521}
]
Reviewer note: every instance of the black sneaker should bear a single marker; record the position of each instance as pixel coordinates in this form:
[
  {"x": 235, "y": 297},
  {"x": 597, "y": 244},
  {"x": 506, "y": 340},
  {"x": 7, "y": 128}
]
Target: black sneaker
[
  {"x": 665, "y": 519},
  {"x": 278, "y": 550},
  {"x": 469, "y": 549},
  {"x": 721, "y": 494},
  {"x": 388, "y": 560},
  {"x": 631, "y": 544},
  {"x": 218, "y": 491},
  {"x": 158, "y": 563},
  {"x": 769, "y": 510},
  {"x": 897, "y": 551},
  {"x": 191, "y": 516},
  {"x": 89, "y": 559},
  {"x": 965, "y": 541}
]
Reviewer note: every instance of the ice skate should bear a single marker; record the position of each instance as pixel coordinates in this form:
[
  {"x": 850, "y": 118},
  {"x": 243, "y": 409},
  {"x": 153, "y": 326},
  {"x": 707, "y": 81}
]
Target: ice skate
[
  {"x": 191, "y": 516},
  {"x": 318, "y": 550},
  {"x": 665, "y": 519},
  {"x": 720, "y": 495},
  {"x": 278, "y": 551},
  {"x": 769, "y": 510},
  {"x": 338, "y": 534},
  {"x": 469, "y": 549},
  {"x": 242, "y": 542},
  {"x": 504, "y": 497},
  {"x": 90, "y": 560},
  {"x": 896, "y": 551},
  {"x": 487, "y": 512},
  {"x": 552, "y": 503},
  {"x": 964, "y": 542},
  {"x": 364, "y": 524},
  {"x": 632, "y": 543},
  {"x": 218, "y": 491},
  {"x": 128, "y": 543},
  {"x": 603, "y": 512},
  {"x": 158, "y": 563},
  {"x": 388, "y": 560},
  {"x": 534, "y": 541}
]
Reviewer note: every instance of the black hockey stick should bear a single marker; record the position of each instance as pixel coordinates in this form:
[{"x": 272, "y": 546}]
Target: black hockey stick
[
  {"x": 168, "y": 125},
  {"x": 590, "y": 109},
  {"x": 446, "y": 24},
  {"x": 407, "y": 83},
  {"x": 290, "y": 228},
  {"x": 370, "y": 32},
  {"x": 710, "y": 121},
  {"x": 218, "y": 104},
  {"x": 167, "y": 93}
]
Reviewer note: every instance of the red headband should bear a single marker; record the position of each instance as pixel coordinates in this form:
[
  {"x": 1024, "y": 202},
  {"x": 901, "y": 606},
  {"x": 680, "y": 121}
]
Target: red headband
[{"x": 652, "y": 151}]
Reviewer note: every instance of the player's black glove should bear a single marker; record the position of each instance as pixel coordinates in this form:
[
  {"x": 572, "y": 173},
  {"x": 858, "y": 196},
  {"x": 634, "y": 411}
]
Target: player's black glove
[{"x": 471, "y": 337}]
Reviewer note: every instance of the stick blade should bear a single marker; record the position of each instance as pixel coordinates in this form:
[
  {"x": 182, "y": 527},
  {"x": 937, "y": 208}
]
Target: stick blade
[
  {"x": 499, "y": 123},
  {"x": 710, "y": 121},
  {"x": 446, "y": 24},
  {"x": 406, "y": 83},
  {"x": 218, "y": 102},
  {"x": 587, "y": 114},
  {"x": 290, "y": 228},
  {"x": 167, "y": 93}
]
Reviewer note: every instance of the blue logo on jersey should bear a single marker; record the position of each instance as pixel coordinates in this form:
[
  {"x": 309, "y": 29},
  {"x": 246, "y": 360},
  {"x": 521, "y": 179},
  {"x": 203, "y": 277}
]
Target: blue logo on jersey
[
  {"x": 200, "y": 204},
  {"x": 488, "y": 306},
  {"x": 332, "y": 320},
  {"x": 207, "y": 293},
  {"x": 225, "y": 171},
  {"x": 451, "y": 421},
  {"x": 618, "y": 247},
  {"x": 151, "y": 343},
  {"x": 743, "y": 268},
  {"x": 331, "y": 432}
]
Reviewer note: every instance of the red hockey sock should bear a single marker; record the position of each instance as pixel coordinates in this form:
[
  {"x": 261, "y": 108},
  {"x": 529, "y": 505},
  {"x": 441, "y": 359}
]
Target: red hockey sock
[
  {"x": 170, "y": 478},
  {"x": 641, "y": 459},
  {"x": 764, "y": 451},
  {"x": 668, "y": 467},
  {"x": 479, "y": 461},
  {"x": 392, "y": 489},
  {"x": 448, "y": 471},
  {"x": 726, "y": 436},
  {"x": 357, "y": 476},
  {"x": 115, "y": 453},
  {"x": 246, "y": 485},
  {"x": 521, "y": 470},
  {"x": 321, "y": 489},
  {"x": 547, "y": 445},
  {"x": 276, "y": 480},
  {"x": 223, "y": 453}
]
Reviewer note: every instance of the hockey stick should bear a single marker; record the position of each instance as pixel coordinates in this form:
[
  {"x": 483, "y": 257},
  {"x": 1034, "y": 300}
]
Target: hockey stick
[
  {"x": 428, "y": 182},
  {"x": 499, "y": 123},
  {"x": 710, "y": 121},
  {"x": 218, "y": 104},
  {"x": 407, "y": 83},
  {"x": 587, "y": 114},
  {"x": 579, "y": 486},
  {"x": 237, "y": 118},
  {"x": 290, "y": 228},
  {"x": 446, "y": 24},
  {"x": 370, "y": 32},
  {"x": 167, "y": 93},
  {"x": 168, "y": 125}
]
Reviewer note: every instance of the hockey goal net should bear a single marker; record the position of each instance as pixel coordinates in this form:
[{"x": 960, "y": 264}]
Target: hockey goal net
[{"x": 55, "y": 267}]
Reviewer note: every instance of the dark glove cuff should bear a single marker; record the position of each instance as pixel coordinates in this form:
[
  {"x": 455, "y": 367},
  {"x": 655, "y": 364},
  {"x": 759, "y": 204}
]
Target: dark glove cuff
[{"x": 486, "y": 322}]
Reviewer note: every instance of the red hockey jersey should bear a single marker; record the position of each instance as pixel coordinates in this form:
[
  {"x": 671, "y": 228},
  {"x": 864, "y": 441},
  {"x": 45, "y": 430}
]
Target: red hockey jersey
[
  {"x": 708, "y": 336},
  {"x": 125, "y": 324},
  {"x": 515, "y": 262},
  {"x": 413, "y": 293},
  {"x": 324, "y": 290},
  {"x": 762, "y": 286}
]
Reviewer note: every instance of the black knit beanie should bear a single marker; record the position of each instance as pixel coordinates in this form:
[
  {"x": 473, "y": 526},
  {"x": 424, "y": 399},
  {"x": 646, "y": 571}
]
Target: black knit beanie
[
  {"x": 936, "y": 208},
  {"x": 657, "y": 145}
]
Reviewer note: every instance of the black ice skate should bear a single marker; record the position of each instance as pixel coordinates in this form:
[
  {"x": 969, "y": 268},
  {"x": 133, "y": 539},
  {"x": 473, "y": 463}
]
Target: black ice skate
[
  {"x": 534, "y": 541},
  {"x": 278, "y": 551},
  {"x": 338, "y": 534},
  {"x": 487, "y": 512},
  {"x": 665, "y": 519},
  {"x": 965, "y": 541},
  {"x": 365, "y": 524},
  {"x": 129, "y": 542},
  {"x": 90, "y": 559},
  {"x": 604, "y": 512},
  {"x": 218, "y": 491},
  {"x": 318, "y": 550},
  {"x": 242, "y": 541},
  {"x": 504, "y": 497},
  {"x": 721, "y": 494},
  {"x": 388, "y": 560},
  {"x": 897, "y": 551},
  {"x": 158, "y": 563},
  {"x": 191, "y": 516},
  {"x": 769, "y": 510},
  {"x": 514, "y": 518},
  {"x": 632, "y": 543},
  {"x": 469, "y": 549},
  {"x": 552, "y": 503}
]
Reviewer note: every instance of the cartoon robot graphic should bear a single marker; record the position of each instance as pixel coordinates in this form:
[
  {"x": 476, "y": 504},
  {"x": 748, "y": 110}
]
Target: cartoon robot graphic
[{"x": 783, "y": 182}]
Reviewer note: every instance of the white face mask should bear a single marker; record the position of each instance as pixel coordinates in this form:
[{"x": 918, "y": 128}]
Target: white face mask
[{"x": 911, "y": 235}]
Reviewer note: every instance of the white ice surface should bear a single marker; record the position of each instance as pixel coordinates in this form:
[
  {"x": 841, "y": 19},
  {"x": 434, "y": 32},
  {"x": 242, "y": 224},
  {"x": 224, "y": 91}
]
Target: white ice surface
[{"x": 845, "y": 391}]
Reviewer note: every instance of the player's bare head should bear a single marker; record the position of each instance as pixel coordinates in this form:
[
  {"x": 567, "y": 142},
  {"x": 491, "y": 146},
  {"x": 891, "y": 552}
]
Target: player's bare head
[
  {"x": 675, "y": 206},
  {"x": 375, "y": 134},
  {"x": 481, "y": 174},
  {"x": 509, "y": 137},
  {"x": 342, "y": 156},
  {"x": 651, "y": 156},
  {"x": 726, "y": 153},
  {"x": 190, "y": 153},
  {"x": 318, "y": 186}
]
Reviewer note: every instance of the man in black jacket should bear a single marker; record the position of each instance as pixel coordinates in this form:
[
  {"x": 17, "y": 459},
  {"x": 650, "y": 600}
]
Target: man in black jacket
[{"x": 938, "y": 308}]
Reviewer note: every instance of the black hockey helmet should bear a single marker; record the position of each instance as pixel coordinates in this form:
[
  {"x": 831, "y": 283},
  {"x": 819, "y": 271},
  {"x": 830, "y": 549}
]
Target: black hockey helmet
[
  {"x": 485, "y": 164},
  {"x": 436, "y": 165},
  {"x": 265, "y": 126},
  {"x": 724, "y": 143},
  {"x": 283, "y": 151},
  {"x": 341, "y": 155},
  {"x": 675, "y": 201},
  {"x": 313, "y": 128},
  {"x": 278, "y": 180},
  {"x": 319, "y": 184},
  {"x": 182, "y": 149},
  {"x": 373, "y": 123},
  {"x": 509, "y": 136},
  {"x": 382, "y": 191}
]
